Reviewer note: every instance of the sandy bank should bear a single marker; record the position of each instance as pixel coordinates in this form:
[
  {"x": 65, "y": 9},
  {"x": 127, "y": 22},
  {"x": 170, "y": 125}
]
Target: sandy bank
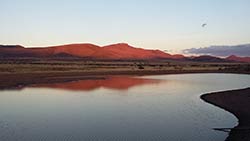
[{"x": 236, "y": 102}]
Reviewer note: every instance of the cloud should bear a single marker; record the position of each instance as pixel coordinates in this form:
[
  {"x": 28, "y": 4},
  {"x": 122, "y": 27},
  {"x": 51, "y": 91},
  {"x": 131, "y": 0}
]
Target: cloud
[{"x": 239, "y": 50}]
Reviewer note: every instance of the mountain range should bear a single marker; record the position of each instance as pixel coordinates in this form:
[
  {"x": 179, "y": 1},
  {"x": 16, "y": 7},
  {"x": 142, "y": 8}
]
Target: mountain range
[{"x": 121, "y": 51}]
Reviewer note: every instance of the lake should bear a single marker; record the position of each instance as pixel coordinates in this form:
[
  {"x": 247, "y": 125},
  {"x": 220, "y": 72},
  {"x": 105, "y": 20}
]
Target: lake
[{"x": 161, "y": 107}]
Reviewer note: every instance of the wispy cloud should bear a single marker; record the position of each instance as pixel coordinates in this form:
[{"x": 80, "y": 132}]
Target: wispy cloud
[{"x": 239, "y": 50}]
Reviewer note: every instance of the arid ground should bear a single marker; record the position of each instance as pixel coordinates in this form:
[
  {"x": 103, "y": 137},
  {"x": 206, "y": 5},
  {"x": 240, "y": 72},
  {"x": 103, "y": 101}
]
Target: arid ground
[{"x": 16, "y": 73}]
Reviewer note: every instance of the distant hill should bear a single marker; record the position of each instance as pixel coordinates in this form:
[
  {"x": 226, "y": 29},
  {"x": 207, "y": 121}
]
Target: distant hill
[
  {"x": 206, "y": 58},
  {"x": 238, "y": 59},
  {"x": 115, "y": 51},
  {"x": 121, "y": 51}
]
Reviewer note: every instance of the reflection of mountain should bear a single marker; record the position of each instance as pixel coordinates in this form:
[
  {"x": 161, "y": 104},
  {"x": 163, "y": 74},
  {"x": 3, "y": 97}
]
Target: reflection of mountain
[{"x": 116, "y": 83}]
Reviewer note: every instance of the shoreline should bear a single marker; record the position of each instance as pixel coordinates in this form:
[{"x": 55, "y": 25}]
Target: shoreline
[
  {"x": 236, "y": 102},
  {"x": 19, "y": 80},
  {"x": 227, "y": 100},
  {"x": 16, "y": 74}
]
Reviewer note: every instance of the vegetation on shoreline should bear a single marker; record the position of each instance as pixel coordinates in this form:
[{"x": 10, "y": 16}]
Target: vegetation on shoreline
[
  {"x": 18, "y": 73},
  {"x": 49, "y": 66}
]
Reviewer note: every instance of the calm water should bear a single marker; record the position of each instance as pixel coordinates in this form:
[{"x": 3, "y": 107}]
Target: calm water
[{"x": 165, "y": 107}]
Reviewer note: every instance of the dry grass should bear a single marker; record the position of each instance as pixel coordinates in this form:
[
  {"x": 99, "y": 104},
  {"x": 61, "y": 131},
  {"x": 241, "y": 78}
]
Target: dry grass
[
  {"x": 20, "y": 73},
  {"x": 99, "y": 66}
]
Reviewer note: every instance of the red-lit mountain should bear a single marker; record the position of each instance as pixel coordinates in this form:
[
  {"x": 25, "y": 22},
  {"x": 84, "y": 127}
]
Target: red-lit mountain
[
  {"x": 116, "y": 51},
  {"x": 120, "y": 51},
  {"x": 238, "y": 59}
]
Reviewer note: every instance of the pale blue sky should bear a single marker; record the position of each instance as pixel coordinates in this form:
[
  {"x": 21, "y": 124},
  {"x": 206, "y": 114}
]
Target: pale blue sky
[{"x": 156, "y": 24}]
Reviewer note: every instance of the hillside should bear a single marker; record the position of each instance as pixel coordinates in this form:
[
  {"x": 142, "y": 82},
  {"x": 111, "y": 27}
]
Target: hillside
[
  {"x": 115, "y": 51},
  {"x": 121, "y": 51}
]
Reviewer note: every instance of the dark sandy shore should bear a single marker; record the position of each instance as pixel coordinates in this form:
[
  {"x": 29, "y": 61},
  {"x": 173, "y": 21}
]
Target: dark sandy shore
[{"x": 236, "y": 102}]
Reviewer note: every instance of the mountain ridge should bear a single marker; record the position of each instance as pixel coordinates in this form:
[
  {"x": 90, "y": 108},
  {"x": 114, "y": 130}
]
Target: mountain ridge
[
  {"x": 114, "y": 51},
  {"x": 119, "y": 51},
  {"x": 238, "y": 59}
]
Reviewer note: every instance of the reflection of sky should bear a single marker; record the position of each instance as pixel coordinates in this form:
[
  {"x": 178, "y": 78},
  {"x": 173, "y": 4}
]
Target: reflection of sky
[
  {"x": 162, "y": 24},
  {"x": 170, "y": 110}
]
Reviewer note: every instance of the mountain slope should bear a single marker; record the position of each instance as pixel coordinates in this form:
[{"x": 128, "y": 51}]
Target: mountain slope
[
  {"x": 238, "y": 59},
  {"x": 116, "y": 51},
  {"x": 119, "y": 51},
  {"x": 206, "y": 58},
  {"x": 124, "y": 51}
]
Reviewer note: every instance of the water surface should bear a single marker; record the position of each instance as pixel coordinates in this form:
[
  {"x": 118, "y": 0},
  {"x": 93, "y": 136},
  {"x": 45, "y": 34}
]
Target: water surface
[{"x": 163, "y": 107}]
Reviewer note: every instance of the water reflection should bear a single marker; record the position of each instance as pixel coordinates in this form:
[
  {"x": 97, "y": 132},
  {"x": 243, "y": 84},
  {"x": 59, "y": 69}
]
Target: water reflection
[
  {"x": 115, "y": 83},
  {"x": 164, "y": 107}
]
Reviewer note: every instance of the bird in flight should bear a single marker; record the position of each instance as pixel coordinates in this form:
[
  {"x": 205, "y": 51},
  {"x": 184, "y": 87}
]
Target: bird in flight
[{"x": 204, "y": 25}]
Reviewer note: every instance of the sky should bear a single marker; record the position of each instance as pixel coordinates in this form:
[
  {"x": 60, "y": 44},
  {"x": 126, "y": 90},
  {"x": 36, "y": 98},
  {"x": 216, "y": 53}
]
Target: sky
[{"x": 170, "y": 25}]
